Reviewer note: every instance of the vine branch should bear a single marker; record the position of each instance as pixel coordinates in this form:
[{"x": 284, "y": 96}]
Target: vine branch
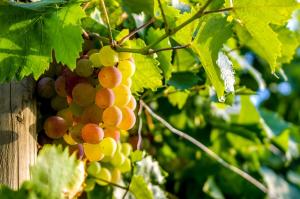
[
  {"x": 216, "y": 11},
  {"x": 209, "y": 152},
  {"x": 167, "y": 30}
]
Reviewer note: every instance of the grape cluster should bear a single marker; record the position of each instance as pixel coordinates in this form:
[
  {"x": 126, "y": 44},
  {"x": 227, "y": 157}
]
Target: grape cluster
[{"x": 94, "y": 105}]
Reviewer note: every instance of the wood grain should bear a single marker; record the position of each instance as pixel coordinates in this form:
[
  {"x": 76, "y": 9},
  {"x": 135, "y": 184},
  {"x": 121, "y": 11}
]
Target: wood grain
[{"x": 18, "y": 145}]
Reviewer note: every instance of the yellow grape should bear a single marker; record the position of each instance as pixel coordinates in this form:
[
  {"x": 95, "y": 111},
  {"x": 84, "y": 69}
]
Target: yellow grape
[
  {"x": 103, "y": 175},
  {"x": 126, "y": 149},
  {"x": 94, "y": 168},
  {"x": 92, "y": 51},
  {"x": 126, "y": 166},
  {"x": 116, "y": 176},
  {"x": 92, "y": 152},
  {"x": 75, "y": 132},
  {"x": 55, "y": 127},
  {"x": 105, "y": 97},
  {"x": 118, "y": 159},
  {"x": 95, "y": 59},
  {"x": 84, "y": 68},
  {"x": 112, "y": 132},
  {"x": 92, "y": 133},
  {"x": 108, "y": 57},
  {"x": 127, "y": 82},
  {"x": 127, "y": 68},
  {"x": 128, "y": 119},
  {"x": 92, "y": 114},
  {"x": 112, "y": 116},
  {"x": 132, "y": 103},
  {"x": 124, "y": 55},
  {"x": 69, "y": 140},
  {"x": 108, "y": 146},
  {"x": 109, "y": 77},
  {"x": 83, "y": 94},
  {"x": 122, "y": 95}
]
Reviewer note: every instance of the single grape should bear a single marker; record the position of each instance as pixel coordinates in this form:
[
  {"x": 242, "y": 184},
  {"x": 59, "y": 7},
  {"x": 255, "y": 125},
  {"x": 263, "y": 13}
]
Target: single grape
[
  {"x": 103, "y": 177},
  {"x": 118, "y": 159},
  {"x": 69, "y": 140},
  {"x": 55, "y": 127},
  {"x": 108, "y": 57},
  {"x": 94, "y": 168},
  {"x": 92, "y": 51},
  {"x": 72, "y": 80},
  {"x": 60, "y": 86},
  {"x": 116, "y": 176},
  {"x": 127, "y": 68},
  {"x": 45, "y": 87},
  {"x": 109, "y": 77},
  {"x": 75, "y": 132},
  {"x": 95, "y": 59},
  {"x": 84, "y": 68},
  {"x": 128, "y": 119},
  {"x": 67, "y": 115},
  {"x": 105, "y": 97},
  {"x": 124, "y": 55},
  {"x": 93, "y": 152},
  {"x": 126, "y": 149},
  {"x": 127, "y": 82},
  {"x": 92, "y": 133},
  {"x": 83, "y": 94},
  {"x": 112, "y": 132},
  {"x": 89, "y": 184},
  {"x": 92, "y": 114},
  {"x": 76, "y": 109},
  {"x": 132, "y": 103},
  {"x": 122, "y": 95},
  {"x": 108, "y": 146},
  {"x": 126, "y": 166},
  {"x": 58, "y": 103},
  {"x": 112, "y": 116}
]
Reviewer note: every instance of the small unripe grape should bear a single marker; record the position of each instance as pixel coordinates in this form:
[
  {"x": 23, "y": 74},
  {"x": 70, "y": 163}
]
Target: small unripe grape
[
  {"x": 103, "y": 176},
  {"x": 94, "y": 168},
  {"x": 105, "y": 97},
  {"x": 128, "y": 119},
  {"x": 126, "y": 149},
  {"x": 126, "y": 166},
  {"x": 124, "y": 55},
  {"x": 109, "y": 77},
  {"x": 76, "y": 109},
  {"x": 112, "y": 116},
  {"x": 83, "y": 94},
  {"x": 89, "y": 184},
  {"x": 122, "y": 95},
  {"x": 93, "y": 152},
  {"x": 84, "y": 68},
  {"x": 95, "y": 59},
  {"x": 75, "y": 132},
  {"x": 60, "y": 86},
  {"x": 132, "y": 103},
  {"x": 108, "y": 57},
  {"x": 118, "y": 159},
  {"x": 108, "y": 146},
  {"x": 92, "y": 51},
  {"x": 127, "y": 82},
  {"x": 55, "y": 127},
  {"x": 45, "y": 87},
  {"x": 69, "y": 140},
  {"x": 116, "y": 176},
  {"x": 112, "y": 132},
  {"x": 58, "y": 103},
  {"x": 92, "y": 133},
  {"x": 127, "y": 68},
  {"x": 92, "y": 114}
]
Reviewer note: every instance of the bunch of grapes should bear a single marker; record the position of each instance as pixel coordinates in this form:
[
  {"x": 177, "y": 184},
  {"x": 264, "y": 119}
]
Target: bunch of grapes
[{"x": 93, "y": 106}]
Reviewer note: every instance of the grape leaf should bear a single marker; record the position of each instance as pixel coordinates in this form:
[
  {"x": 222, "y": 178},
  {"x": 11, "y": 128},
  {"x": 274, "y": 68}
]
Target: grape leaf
[
  {"x": 147, "y": 74},
  {"x": 164, "y": 57},
  {"x": 256, "y": 16},
  {"x": 178, "y": 98},
  {"x": 184, "y": 80},
  {"x": 211, "y": 37},
  {"x": 139, "y": 188},
  {"x": 187, "y": 31},
  {"x": 138, "y": 6},
  {"x": 29, "y": 33}
]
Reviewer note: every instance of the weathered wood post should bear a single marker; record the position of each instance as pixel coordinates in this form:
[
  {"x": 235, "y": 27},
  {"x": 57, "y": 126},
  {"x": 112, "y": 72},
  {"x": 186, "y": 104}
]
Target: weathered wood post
[{"x": 18, "y": 146}]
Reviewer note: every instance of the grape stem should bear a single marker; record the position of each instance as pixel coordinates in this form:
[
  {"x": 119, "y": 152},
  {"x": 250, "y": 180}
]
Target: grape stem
[
  {"x": 209, "y": 152},
  {"x": 102, "y": 4},
  {"x": 138, "y": 146},
  {"x": 113, "y": 184}
]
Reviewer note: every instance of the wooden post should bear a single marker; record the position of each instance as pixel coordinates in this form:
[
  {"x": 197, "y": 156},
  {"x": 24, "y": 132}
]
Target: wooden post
[{"x": 18, "y": 145}]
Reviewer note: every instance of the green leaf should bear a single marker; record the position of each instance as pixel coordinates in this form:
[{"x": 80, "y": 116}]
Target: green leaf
[
  {"x": 138, "y": 6},
  {"x": 139, "y": 188},
  {"x": 100, "y": 192},
  {"x": 137, "y": 156},
  {"x": 184, "y": 80},
  {"x": 184, "y": 35},
  {"x": 28, "y": 37},
  {"x": 248, "y": 112},
  {"x": 256, "y": 16},
  {"x": 164, "y": 57},
  {"x": 211, "y": 37},
  {"x": 147, "y": 74},
  {"x": 178, "y": 98}
]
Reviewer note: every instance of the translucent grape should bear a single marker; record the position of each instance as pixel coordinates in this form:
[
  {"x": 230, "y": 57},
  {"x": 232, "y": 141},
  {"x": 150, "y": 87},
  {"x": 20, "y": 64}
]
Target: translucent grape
[
  {"x": 83, "y": 94},
  {"x": 116, "y": 176},
  {"x": 109, "y": 77},
  {"x": 60, "y": 86},
  {"x": 128, "y": 119},
  {"x": 127, "y": 82},
  {"x": 127, "y": 68},
  {"x": 112, "y": 132},
  {"x": 122, "y": 95},
  {"x": 75, "y": 132},
  {"x": 92, "y": 133},
  {"x": 126, "y": 166},
  {"x": 92, "y": 152},
  {"x": 69, "y": 140},
  {"x": 126, "y": 149},
  {"x": 84, "y": 68},
  {"x": 124, "y": 55},
  {"x": 92, "y": 51},
  {"x": 108, "y": 146},
  {"x": 95, "y": 59},
  {"x": 55, "y": 127},
  {"x": 103, "y": 176},
  {"x": 118, "y": 159},
  {"x": 89, "y": 184},
  {"x": 45, "y": 87},
  {"x": 108, "y": 57},
  {"x": 58, "y": 103},
  {"x": 94, "y": 168},
  {"x": 132, "y": 103},
  {"x": 92, "y": 114},
  {"x": 105, "y": 97},
  {"x": 112, "y": 116}
]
